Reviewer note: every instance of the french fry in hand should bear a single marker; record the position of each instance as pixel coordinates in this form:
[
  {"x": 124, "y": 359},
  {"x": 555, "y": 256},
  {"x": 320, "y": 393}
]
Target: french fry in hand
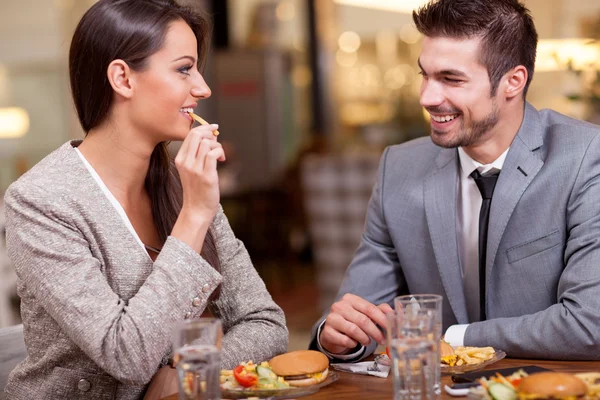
[{"x": 200, "y": 120}]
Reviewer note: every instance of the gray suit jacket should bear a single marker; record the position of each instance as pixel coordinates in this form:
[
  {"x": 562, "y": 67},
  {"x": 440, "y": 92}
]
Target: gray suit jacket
[
  {"x": 94, "y": 305},
  {"x": 543, "y": 255}
]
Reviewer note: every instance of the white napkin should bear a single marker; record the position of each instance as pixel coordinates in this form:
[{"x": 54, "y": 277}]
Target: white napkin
[{"x": 363, "y": 368}]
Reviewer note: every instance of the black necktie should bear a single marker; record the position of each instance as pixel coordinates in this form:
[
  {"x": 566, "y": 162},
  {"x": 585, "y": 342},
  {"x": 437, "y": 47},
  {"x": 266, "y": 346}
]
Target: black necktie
[{"x": 486, "y": 185}]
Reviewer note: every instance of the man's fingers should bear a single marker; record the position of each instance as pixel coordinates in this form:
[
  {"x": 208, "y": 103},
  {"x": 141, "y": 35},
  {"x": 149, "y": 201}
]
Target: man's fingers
[
  {"x": 347, "y": 328},
  {"x": 367, "y": 308},
  {"x": 332, "y": 339},
  {"x": 385, "y": 308},
  {"x": 363, "y": 323}
]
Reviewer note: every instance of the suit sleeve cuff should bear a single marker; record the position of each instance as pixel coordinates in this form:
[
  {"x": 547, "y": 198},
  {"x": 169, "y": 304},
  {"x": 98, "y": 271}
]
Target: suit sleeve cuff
[
  {"x": 354, "y": 356},
  {"x": 455, "y": 335}
]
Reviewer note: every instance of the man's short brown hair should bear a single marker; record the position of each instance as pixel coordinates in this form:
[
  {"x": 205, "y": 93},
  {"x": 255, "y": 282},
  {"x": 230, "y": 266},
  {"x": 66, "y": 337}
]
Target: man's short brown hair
[{"x": 506, "y": 28}]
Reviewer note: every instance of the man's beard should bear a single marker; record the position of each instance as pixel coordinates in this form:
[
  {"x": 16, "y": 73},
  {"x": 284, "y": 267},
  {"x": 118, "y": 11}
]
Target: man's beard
[{"x": 466, "y": 137}]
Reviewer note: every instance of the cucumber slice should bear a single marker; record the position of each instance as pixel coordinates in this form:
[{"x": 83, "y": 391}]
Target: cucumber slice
[
  {"x": 264, "y": 372},
  {"x": 280, "y": 385},
  {"x": 499, "y": 391}
]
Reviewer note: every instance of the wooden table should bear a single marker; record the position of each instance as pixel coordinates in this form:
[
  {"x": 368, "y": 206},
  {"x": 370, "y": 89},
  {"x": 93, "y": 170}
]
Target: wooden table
[
  {"x": 355, "y": 387},
  {"x": 359, "y": 387}
]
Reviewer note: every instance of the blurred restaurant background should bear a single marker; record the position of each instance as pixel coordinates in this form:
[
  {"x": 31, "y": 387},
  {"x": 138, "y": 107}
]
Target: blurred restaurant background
[{"x": 307, "y": 94}]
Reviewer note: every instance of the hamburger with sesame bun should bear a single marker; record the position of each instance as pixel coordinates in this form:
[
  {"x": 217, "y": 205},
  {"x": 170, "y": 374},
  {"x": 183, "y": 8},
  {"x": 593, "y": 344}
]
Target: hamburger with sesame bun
[{"x": 301, "y": 368}]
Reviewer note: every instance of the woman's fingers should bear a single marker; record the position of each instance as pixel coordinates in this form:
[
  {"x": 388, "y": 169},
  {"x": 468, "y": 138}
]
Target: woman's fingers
[
  {"x": 210, "y": 163},
  {"x": 205, "y": 131},
  {"x": 189, "y": 148},
  {"x": 203, "y": 161}
]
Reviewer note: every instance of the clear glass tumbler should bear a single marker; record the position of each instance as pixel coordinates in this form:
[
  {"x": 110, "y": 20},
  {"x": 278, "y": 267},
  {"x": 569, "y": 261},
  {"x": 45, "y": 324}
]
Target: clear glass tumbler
[
  {"x": 432, "y": 303},
  {"x": 197, "y": 347}
]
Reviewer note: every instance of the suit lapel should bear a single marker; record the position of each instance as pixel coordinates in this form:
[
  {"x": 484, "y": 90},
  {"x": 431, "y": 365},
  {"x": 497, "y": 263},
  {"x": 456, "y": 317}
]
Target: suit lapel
[
  {"x": 519, "y": 169},
  {"x": 440, "y": 208}
]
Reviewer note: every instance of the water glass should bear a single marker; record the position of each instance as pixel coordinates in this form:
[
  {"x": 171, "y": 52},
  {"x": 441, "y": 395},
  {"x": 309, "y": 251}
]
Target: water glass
[
  {"x": 412, "y": 344},
  {"x": 412, "y": 368},
  {"x": 433, "y": 303},
  {"x": 197, "y": 347}
]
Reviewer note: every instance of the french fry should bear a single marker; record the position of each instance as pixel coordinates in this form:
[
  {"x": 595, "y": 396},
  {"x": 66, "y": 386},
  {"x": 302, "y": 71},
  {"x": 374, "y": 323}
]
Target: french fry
[
  {"x": 473, "y": 355},
  {"x": 200, "y": 120}
]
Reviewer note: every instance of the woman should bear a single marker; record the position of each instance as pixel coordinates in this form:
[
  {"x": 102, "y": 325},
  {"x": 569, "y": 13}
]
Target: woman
[{"x": 113, "y": 243}]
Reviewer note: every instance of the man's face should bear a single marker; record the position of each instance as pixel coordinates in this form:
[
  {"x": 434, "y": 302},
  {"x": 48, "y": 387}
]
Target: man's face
[{"x": 456, "y": 91}]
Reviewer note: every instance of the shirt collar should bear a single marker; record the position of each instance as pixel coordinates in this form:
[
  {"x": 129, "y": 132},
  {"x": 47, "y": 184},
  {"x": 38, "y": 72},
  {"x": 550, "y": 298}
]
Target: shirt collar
[{"x": 468, "y": 165}]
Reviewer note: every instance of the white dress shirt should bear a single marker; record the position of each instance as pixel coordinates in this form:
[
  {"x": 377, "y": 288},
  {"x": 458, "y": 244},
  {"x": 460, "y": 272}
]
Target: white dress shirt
[{"x": 468, "y": 204}]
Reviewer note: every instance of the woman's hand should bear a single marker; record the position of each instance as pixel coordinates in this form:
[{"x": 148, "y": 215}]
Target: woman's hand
[{"x": 196, "y": 162}]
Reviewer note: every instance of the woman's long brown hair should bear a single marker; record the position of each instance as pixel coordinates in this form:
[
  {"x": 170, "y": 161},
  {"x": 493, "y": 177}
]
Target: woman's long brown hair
[{"x": 133, "y": 30}]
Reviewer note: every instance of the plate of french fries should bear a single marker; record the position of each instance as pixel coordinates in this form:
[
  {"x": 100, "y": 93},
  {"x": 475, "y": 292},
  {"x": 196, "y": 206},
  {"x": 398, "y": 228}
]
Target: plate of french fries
[
  {"x": 465, "y": 359},
  {"x": 459, "y": 360}
]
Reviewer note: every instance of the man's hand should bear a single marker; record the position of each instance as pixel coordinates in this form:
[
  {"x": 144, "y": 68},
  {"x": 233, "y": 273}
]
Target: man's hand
[{"x": 353, "y": 320}]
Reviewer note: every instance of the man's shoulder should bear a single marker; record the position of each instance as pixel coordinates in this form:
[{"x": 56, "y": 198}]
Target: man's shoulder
[
  {"x": 417, "y": 154},
  {"x": 416, "y": 148},
  {"x": 554, "y": 120}
]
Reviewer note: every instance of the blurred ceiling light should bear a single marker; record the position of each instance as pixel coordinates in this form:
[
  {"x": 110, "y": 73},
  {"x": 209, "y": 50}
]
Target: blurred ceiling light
[
  {"x": 346, "y": 59},
  {"x": 394, "y": 78},
  {"x": 370, "y": 75},
  {"x": 285, "y": 11},
  {"x": 349, "y": 41},
  {"x": 409, "y": 34},
  {"x": 14, "y": 122},
  {"x": 409, "y": 73},
  {"x": 556, "y": 54},
  {"x": 402, "y": 6}
]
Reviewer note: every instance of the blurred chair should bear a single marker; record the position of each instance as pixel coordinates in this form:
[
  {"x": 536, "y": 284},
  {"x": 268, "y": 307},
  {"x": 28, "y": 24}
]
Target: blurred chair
[
  {"x": 337, "y": 189},
  {"x": 12, "y": 352}
]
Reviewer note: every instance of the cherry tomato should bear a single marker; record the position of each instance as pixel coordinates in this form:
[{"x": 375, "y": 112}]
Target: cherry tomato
[{"x": 245, "y": 380}]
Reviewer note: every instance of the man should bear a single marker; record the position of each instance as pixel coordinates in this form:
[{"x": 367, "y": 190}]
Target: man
[{"x": 535, "y": 291}]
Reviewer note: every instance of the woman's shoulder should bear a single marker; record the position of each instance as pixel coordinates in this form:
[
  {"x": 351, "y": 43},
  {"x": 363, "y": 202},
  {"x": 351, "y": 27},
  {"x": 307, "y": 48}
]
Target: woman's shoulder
[{"x": 52, "y": 178}]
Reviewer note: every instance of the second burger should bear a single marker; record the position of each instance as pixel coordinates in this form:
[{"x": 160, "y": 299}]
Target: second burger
[{"x": 301, "y": 368}]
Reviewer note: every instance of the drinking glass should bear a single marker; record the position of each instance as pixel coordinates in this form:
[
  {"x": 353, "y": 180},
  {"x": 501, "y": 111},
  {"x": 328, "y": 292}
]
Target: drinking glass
[
  {"x": 433, "y": 303},
  {"x": 197, "y": 346}
]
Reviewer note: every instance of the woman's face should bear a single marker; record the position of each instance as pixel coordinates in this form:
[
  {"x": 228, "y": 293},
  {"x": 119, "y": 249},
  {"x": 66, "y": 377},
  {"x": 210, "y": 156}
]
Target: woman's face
[{"x": 169, "y": 85}]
